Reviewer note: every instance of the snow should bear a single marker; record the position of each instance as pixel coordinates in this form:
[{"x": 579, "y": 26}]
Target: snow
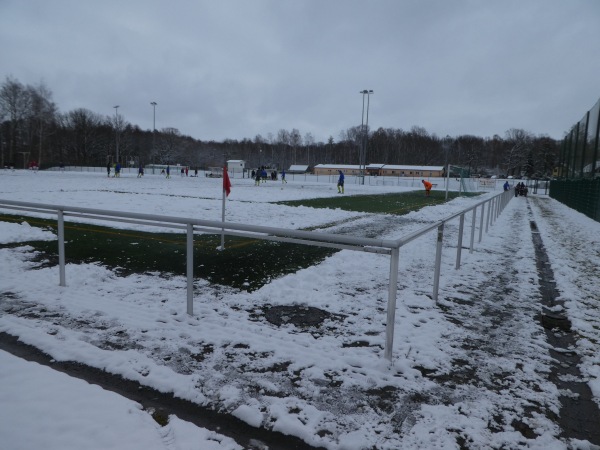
[
  {"x": 43, "y": 408},
  {"x": 477, "y": 357},
  {"x": 17, "y": 232}
]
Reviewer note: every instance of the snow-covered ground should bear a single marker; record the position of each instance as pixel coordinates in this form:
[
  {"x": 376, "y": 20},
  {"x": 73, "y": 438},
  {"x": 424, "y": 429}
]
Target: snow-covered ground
[{"x": 471, "y": 370}]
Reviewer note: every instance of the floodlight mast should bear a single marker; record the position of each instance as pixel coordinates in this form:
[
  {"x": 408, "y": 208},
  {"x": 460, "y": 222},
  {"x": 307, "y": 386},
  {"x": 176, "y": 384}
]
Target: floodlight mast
[
  {"x": 364, "y": 129},
  {"x": 153, "y": 126},
  {"x": 117, "y": 132}
]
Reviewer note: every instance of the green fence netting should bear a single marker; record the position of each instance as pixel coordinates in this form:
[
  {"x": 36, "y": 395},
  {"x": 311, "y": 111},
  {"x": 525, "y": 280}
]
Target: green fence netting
[{"x": 583, "y": 195}]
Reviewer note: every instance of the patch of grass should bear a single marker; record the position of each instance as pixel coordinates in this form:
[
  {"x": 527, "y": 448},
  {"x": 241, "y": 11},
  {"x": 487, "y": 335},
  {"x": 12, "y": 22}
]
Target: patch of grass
[
  {"x": 245, "y": 264},
  {"x": 397, "y": 203},
  {"x": 160, "y": 417}
]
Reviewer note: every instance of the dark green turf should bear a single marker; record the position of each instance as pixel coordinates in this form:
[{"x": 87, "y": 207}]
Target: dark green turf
[
  {"x": 245, "y": 264},
  {"x": 400, "y": 203}
]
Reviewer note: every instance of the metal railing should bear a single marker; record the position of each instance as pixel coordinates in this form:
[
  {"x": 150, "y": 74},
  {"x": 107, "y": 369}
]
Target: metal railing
[{"x": 489, "y": 209}]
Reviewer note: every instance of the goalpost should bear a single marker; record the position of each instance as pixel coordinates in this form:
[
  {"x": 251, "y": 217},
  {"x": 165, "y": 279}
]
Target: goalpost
[{"x": 464, "y": 177}]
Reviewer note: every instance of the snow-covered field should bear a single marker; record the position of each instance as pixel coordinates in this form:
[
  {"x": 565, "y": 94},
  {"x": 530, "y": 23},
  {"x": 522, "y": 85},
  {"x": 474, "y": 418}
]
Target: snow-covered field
[{"x": 465, "y": 372}]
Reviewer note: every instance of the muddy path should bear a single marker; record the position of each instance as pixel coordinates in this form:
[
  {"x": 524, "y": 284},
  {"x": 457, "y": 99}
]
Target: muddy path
[{"x": 160, "y": 405}]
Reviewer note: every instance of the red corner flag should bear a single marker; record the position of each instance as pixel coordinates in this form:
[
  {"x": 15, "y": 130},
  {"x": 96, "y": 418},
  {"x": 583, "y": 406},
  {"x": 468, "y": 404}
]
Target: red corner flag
[{"x": 226, "y": 182}]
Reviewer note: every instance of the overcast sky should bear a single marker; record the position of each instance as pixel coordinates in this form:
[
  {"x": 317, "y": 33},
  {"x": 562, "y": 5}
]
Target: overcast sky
[{"x": 238, "y": 68}]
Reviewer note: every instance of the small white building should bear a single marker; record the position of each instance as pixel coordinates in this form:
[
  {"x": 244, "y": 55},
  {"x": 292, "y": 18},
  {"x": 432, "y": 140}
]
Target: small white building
[
  {"x": 236, "y": 165},
  {"x": 297, "y": 168}
]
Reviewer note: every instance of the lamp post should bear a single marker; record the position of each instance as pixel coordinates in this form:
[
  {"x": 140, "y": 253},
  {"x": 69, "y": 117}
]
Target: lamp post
[
  {"x": 364, "y": 127},
  {"x": 153, "y": 125},
  {"x": 446, "y": 147},
  {"x": 117, "y": 131}
]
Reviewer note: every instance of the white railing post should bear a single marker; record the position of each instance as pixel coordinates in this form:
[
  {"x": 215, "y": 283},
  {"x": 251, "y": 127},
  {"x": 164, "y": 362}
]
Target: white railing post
[
  {"x": 481, "y": 221},
  {"x": 391, "y": 310},
  {"x": 473, "y": 230},
  {"x": 190, "y": 269},
  {"x": 461, "y": 228},
  {"x": 438, "y": 261},
  {"x": 497, "y": 208},
  {"x": 61, "y": 249}
]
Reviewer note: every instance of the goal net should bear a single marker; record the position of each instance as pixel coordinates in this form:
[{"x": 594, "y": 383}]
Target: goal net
[{"x": 463, "y": 176}]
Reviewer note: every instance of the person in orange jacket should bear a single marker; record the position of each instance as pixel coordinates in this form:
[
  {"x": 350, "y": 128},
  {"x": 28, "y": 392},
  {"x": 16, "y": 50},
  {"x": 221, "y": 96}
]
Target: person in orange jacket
[{"x": 428, "y": 187}]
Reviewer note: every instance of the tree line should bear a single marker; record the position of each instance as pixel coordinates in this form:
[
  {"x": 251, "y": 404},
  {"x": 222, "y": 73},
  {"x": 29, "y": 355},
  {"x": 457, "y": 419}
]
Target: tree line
[{"x": 33, "y": 128}]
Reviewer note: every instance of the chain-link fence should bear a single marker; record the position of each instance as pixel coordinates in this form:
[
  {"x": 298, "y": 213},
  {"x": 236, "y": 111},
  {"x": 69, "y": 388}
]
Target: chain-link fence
[
  {"x": 578, "y": 172},
  {"x": 583, "y": 195},
  {"x": 579, "y": 154}
]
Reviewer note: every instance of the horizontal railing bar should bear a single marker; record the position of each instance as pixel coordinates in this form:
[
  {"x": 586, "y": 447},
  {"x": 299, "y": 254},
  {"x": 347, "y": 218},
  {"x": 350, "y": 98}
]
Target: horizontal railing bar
[
  {"x": 264, "y": 237},
  {"x": 227, "y": 227},
  {"x": 36, "y": 210},
  {"x": 221, "y": 226},
  {"x": 261, "y": 236},
  {"x": 412, "y": 236},
  {"x": 137, "y": 222}
]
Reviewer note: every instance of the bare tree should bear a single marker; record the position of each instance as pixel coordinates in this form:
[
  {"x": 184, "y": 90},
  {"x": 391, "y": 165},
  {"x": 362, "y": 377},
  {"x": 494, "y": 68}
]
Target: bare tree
[
  {"x": 417, "y": 145},
  {"x": 42, "y": 114},
  {"x": 166, "y": 151},
  {"x": 545, "y": 156},
  {"x": 351, "y": 144},
  {"x": 329, "y": 156},
  {"x": 470, "y": 151},
  {"x": 518, "y": 149},
  {"x": 283, "y": 141},
  {"x": 353, "y": 134},
  {"x": 295, "y": 142},
  {"x": 309, "y": 141},
  {"x": 83, "y": 143},
  {"x": 14, "y": 103}
]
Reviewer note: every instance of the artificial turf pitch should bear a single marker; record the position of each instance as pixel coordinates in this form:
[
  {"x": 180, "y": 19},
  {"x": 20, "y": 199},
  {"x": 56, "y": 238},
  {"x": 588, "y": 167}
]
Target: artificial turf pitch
[{"x": 245, "y": 263}]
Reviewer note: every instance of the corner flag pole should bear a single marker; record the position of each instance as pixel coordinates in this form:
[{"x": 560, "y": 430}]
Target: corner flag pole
[
  {"x": 226, "y": 191},
  {"x": 223, "y": 220}
]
